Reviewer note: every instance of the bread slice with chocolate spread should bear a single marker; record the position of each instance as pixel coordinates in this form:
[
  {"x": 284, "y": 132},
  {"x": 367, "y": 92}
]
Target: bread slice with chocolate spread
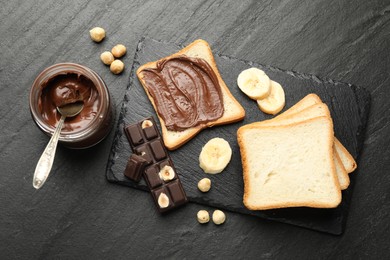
[{"x": 175, "y": 104}]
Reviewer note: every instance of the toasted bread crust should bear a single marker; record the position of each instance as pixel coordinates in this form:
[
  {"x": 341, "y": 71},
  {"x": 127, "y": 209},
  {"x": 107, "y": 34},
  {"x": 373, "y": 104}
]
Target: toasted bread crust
[
  {"x": 351, "y": 165},
  {"x": 174, "y": 140},
  {"x": 343, "y": 172}
]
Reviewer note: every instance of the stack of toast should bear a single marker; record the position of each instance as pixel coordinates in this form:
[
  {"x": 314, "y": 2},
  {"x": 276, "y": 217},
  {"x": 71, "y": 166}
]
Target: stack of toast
[{"x": 294, "y": 160}]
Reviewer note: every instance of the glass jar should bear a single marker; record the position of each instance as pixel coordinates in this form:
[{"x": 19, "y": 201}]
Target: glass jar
[{"x": 99, "y": 121}]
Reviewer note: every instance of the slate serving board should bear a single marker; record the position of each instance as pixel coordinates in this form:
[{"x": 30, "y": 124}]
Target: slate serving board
[{"x": 349, "y": 106}]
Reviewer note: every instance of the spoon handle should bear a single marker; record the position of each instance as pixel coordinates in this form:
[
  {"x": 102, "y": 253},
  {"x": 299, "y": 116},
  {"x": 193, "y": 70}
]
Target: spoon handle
[{"x": 46, "y": 161}]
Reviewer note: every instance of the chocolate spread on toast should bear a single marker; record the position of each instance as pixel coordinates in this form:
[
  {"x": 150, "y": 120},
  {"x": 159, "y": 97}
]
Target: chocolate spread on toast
[{"x": 185, "y": 91}]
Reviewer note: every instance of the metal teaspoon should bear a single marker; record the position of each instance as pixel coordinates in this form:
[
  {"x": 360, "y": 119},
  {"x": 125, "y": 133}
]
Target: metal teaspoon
[{"x": 46, "y": 161}]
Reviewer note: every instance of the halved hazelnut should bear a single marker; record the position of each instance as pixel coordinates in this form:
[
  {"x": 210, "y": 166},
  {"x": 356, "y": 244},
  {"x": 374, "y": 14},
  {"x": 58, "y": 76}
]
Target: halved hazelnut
[
  {"x": 163, "y": 200},
  {"x": 146, "y": 124},
  {"x": 166, "y": 173}
]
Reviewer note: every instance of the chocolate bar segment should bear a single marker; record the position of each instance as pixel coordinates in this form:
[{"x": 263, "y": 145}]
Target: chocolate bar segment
[
  {"x": 152, "y": 177},
  {"x": 158, "y": 150},
  {"x": 156, "y": 193},
  {"x": 133, "y": 135},
  {"x": 144, "y": 151},
  {"x": 177, "y": 192},
  {"x": 135, "y": 167},
  {"x": 163, "y": 182},
  {"x": 150, "y": 132}
]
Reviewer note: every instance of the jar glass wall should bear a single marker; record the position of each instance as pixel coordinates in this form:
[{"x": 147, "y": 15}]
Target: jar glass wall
[{"x": 98, "y": 123}]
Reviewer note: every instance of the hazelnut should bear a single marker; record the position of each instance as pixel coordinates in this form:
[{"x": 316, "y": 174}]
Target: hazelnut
[
  {"x": 146, "y": 124},
  {"x": 107, "y": 57},
  {"x": 167, "y": 173},
  {"x": 203, "y": 216},
  {"x": 218, "y": 217},
  {"x": 163, "y": 200},
  {"x": 117, "y": 66},
  {"x": 97, "y": 34},
  {"x": 204, "y": 185},
  {"x": 118, "y": 50}
]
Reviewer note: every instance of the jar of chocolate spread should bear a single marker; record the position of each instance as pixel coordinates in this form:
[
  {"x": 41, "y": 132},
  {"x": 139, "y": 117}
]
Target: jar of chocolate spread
[{"x": 66, "y": 83}]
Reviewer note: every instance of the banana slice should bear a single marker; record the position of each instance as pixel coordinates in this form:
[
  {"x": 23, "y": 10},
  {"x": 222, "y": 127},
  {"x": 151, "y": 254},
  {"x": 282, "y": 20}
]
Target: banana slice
[
  {"x": 275, "y": 102},
  {"x": 254, "y": 83},
  {"x": 215, "y": 155}
]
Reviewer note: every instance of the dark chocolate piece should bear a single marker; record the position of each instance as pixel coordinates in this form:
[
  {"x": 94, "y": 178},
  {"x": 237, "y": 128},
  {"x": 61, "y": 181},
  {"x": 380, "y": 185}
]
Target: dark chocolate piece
[
  {"x": 150, "y": 132},
  {"x": 152, "y": 178},
  {"x": 135, "y": 167},
  {"x": 144, "y": 151},
  {"x": 158, "y": 150},
  {"x": 163, "y": 163},
  {"x": 133, "y": 135},
  {"x": 177, "y": 192},
  {"x": 156, "y": 193},
  {"x": 147, "y": 143}
]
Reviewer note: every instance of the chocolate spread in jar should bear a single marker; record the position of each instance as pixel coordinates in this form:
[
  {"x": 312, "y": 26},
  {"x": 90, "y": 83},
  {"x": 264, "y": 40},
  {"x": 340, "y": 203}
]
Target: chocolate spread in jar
[
  {"x": 64, "y": 89},
  {"x": 186, "y": 92}
]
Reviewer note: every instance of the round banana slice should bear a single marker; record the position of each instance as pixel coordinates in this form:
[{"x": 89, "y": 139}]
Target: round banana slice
[
  {"x": 254, "y": 83},
  {"x": 275, "y": 102},
  {"x": 215, "y": 155}
]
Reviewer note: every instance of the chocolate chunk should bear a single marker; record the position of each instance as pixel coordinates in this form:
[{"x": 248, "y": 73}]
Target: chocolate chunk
[
  {"x": 147, "y": 143},
  {"x": 158, "y": 150},
  {"x": 150, "y": 132},
  {"x": 152, "y": 178},
  {"x": 143, "y": 151},
  {"x": 156, "y": 193},
  {"x": 177, "y": 192},
  {"x": 133, "y": 135},
  {"x": 135, "y": 167},
  {"x": 164, "y": 163}
]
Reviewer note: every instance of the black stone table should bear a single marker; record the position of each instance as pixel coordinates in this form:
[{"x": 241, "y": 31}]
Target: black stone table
[{"x": 79, "y": 215}]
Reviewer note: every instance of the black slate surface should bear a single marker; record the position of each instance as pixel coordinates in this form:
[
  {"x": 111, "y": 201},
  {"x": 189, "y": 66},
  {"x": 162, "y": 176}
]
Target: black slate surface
[
  {"x": 79, "y": 214},
  {"x": 349, "y": 106}
]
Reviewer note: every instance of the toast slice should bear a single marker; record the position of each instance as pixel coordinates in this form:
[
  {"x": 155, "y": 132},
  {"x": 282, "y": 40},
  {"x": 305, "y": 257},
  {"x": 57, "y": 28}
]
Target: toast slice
[
  {"x": 289, "y": 165},
  {"x": 346, "y": 158},
  {"x": 233, "y": 111},
  {"x": 307, "y": 101},
  {"x": 313, "y": 111}
]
